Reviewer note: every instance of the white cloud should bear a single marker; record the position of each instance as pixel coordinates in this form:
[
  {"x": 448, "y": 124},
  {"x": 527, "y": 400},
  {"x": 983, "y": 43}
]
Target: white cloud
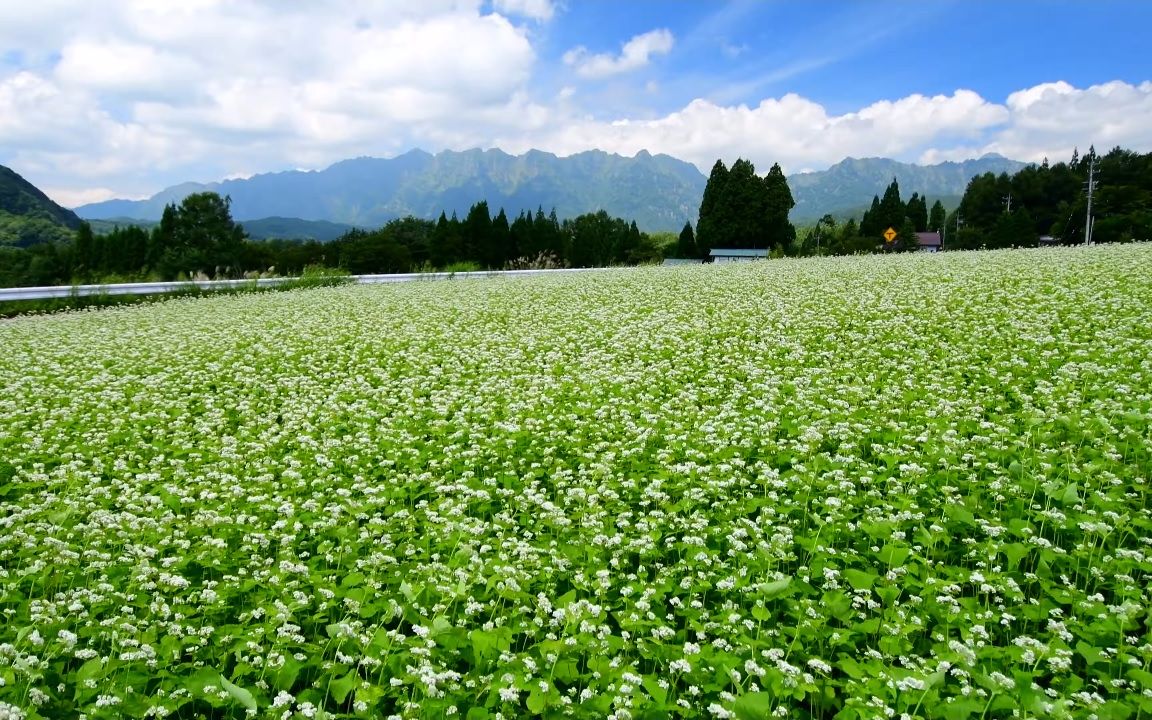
[
  {"x": 635, "y": 54},
  {"x": 1046, "y": 120},
  {"x": 75, "y": 198},
  {"x": 118, "y": 95},
  {"x": 792, "y": 130},
  {"x": 541, "y": 10}
]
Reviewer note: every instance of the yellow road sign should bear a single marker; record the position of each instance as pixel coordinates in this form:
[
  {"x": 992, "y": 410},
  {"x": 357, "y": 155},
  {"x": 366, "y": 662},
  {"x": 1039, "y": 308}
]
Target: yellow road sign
[{"x": 889, "y": 234}]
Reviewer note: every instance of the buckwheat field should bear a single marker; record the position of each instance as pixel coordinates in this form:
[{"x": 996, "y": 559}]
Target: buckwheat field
[{"x": 834, "y": 488}]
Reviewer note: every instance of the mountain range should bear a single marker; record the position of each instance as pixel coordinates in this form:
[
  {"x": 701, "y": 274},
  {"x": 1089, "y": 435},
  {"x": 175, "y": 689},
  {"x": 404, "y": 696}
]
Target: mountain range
[{"x": 659, "y": 192}]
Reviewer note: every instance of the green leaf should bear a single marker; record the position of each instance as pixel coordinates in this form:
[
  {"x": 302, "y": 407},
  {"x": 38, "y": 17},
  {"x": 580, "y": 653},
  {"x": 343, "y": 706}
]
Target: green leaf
[
  {"x": 238, "y": 694},
  {"x": 340, "y": 688},
  {"x": 478, "y": 713},
  {"x": 286, "y": 676},
  {"x": 959, "y": 710},
  {"x": 1015, "y": 552},
  {"x": 652, "y": 685},
  {"x": 860, "y": 580},
  {"x": 485, "y": 645},
  {"x": 90, "y": 670},
  {"x": 894, "y": 555},
  {"x": 775, "y": 588},
  {"x": 201, "y": 679},
  {"x": 753, "y": 706},
  {"x": 850, "y": 667},
  {"x": 1141, "y": 676},
  {"x": 1069, "y": 496},
  {"x": 536, "y": 702}
]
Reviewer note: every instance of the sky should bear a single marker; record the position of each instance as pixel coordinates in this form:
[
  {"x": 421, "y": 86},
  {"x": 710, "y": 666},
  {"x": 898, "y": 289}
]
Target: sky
[{"x": 122, "y": 98}]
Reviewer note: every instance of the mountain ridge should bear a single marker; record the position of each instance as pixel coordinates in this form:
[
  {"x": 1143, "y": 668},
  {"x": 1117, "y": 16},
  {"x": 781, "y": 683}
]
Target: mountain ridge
[
  {"x": 853, "y": 182},
  {"x": 368, "y": 191},
  {"x": 28, "y": 215},
  {"x": 659, "y": 191}
]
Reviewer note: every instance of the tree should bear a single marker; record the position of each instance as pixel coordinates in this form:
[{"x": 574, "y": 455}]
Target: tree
[
  {"x": 686, "y": 243},
  {"x": 906, "y": 238},
  {"x": 936, "y": 218},
  {"x": 501, "y": 248},
  {"x": 892, "y": 208},
  {"x": 478, "y": 233},
  {"x": 870, "y": 222},
  {"x": 743, "y": 207},
  {"x": 82, "y": 253},
  {"x": 712, "y": 230},
  {"x": 821, "y": 238},
  {"x": 742, "y": 210},
  {"x": 204, "y": 238},
  {"x": 917, "y": 211},
  {"x": 778, "y": 202}
]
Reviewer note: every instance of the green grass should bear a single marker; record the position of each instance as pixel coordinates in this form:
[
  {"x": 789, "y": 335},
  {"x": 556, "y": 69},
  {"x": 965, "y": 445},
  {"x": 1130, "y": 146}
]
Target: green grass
[{"x": 842, "y": 487}]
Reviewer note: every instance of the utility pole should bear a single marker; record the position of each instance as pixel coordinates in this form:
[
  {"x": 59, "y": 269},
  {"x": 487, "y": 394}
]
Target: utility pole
[{"x": 1091, "y": 187}]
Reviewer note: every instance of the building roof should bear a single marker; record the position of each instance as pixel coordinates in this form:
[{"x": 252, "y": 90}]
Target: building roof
[
  {"x": 680, "y": 261},
  {"x": 929, "y": 239},
  {"x": 738, "y": 252}
]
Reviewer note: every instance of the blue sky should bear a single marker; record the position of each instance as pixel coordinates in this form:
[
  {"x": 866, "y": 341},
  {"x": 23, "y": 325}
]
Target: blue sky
[
  {"x": 846, "y": 55},
  {"x": 124, "y": 97}
]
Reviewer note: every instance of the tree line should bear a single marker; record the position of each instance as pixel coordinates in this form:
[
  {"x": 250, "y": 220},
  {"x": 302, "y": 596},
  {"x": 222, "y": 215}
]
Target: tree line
[
  {"x": 1051, "y": 200},
  {"x": 199, "y": 238}
]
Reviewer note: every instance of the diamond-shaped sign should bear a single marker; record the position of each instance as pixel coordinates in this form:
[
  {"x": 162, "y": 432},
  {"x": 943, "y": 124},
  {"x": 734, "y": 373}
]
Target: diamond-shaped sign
[{"x": 889, "y": 234}]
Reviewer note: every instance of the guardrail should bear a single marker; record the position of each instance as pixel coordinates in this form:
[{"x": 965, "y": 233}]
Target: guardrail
[{"x": 159, "y": 288}]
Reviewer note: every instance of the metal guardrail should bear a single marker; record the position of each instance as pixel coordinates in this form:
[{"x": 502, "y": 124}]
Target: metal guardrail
[{"x": 159, "y": 288}]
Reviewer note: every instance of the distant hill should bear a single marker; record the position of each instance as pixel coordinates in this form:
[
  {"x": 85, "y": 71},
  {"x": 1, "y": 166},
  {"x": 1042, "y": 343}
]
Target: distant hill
[
  {"x": 847, "y": 188},
  {"x": 659, "y": 192},
  {"x": 28, "y": 216},
  {"x": 272, "y": 228}
]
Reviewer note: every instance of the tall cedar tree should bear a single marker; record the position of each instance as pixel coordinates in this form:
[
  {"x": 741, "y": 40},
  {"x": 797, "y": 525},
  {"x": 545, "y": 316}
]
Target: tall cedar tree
[
  {"x": 478, "y": 234},
  {"x": 686, "y": 243},
  {"x": 778, "y": 202},
  {"x": 917, "y": 211},
  {"x": 712, "y": 229},
  {"x": 936, "y": 217}
]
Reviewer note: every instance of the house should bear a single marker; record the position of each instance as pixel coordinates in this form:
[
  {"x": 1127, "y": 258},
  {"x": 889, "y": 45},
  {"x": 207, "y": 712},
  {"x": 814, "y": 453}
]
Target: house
[
  {"x": 1047, "y": 241},
  {"x": 722, "y": 255},
  {"x": 930, "y": 241},
  {"x": 672, "y": 262}
]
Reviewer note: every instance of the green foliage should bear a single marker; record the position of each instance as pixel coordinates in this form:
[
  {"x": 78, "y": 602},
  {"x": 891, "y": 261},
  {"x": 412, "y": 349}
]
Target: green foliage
[
  {"x": 917, "y": 212},
  {"x": 937, "y": 217},
  {"x": 1051, "y": 200},
  {"x": 741, "y": 210},
  {"x": 686, "y": 243},
  {"x": 25, "y": 231},
  {"x": 22, "y": 200}
]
